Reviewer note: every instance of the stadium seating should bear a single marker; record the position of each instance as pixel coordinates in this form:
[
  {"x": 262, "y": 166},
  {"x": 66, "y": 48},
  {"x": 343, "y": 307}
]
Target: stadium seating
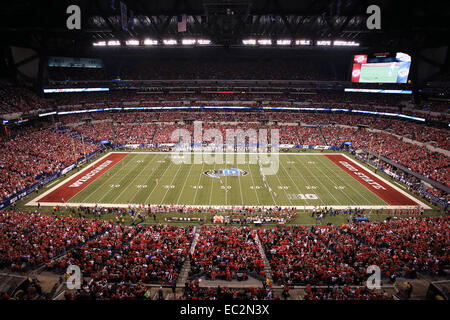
[
  {"x": 153, "y": 254},
  {"x": 330, "y": 262},
  {"x": 30, "y": 240},
  {"x": 28, "y": 158},
  {"x": 49, "y": 150},
  {"x": 226, "y": 254}
]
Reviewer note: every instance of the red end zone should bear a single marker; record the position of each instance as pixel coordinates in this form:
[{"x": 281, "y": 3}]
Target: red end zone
[
  {"x": 371, "y": 182},
  {"x": 81, "y": 181}
]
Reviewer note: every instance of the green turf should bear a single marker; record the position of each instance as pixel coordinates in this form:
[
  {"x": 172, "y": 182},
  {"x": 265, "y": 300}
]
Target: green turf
[
  {"x": 379, "y": 74},
  {"x": 132, "y": 180}
]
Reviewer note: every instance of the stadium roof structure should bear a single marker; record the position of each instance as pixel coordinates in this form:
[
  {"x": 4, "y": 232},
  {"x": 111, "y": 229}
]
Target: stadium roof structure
[{"x": 404, "y": 24}]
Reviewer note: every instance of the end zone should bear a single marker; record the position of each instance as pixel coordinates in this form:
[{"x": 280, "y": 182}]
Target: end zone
[
  {"x": 385, "y": 190},
  {"x": 67, "y": 189}
]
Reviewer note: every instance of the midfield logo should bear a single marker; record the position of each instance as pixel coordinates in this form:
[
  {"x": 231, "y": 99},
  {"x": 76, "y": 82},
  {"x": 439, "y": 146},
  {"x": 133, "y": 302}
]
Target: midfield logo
[{"x": 216, "y": 173}]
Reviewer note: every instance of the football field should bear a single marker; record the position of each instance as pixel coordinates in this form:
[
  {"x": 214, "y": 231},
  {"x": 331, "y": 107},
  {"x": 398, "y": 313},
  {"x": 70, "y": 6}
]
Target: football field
[{"x": 303, "y": 180}]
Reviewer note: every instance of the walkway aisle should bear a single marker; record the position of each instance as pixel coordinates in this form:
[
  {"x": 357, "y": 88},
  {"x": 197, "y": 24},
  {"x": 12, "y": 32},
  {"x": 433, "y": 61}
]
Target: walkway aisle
[
  {"x": 187, "y": 264},
  {"x": 267, "y": 268}
]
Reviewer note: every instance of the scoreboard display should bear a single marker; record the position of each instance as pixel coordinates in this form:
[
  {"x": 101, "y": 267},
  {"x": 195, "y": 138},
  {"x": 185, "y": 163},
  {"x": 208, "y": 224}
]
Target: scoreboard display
[{"x": 381, "y": 68}]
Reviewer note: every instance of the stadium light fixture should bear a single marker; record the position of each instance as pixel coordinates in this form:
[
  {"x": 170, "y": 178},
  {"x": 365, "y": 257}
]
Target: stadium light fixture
[
  {"x": 150, "y": 42},
  {"x": 249, "y": 42},
  {"x": 132, "y": 42},
  {"x": 323, "y": 43},
  {"x": 187, "y": 42},
  {"x": 203, "y": 41},
  {"x": 345, "y": 43},
  {"x": 265, "y": 42},
  {"x": 303, "y": 42},
  {"x": 113, "y": 43},
  {"x": 99, "y": 44},
  {"x": 169, "y": 42},
  {"x": 284, "y": 42}
]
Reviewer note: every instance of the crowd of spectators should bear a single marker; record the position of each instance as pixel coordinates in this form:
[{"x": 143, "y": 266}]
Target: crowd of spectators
[
  {"x": 152, "y": 254},
  {"x": 344, "y": 293},
  {"x": 339, "y": 255},
  {"x": 226, "y": 253},
  {"x": 27, "y": 158},
  {"x": 29, "y": 240},
  {"x": 18, "y": 99},
  {"x": 32, "y": 155},
  {"x": 192, "y": 291},
  {"x": 419, "y": 244},
  {"x": 118, "y": 261},
  {"x": 316, "y": 129},
  {"x": 104, "y": 290},
  {"x": 412, "y": 130}
]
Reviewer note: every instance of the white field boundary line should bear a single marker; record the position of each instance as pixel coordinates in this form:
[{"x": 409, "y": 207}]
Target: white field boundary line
[
  {"x": 296, "y": 186},
  {"x": 299, "y": 174},
  {"x": 198, "y": 181},
  {"x": 35, "y": 200},
  {"x": 310, "y": 183},
  {"x": 147, "y": 181},
  {"x": 171, "y": 182},
  {"x": 208, "y": 152},
  {"x": 224, "y": 207},
  {"x": 110, "y": 178},
  {"x": 400, "y": 185},
  {"x": 423, "y": 205},
  {"x": 52, "y": 183},
  {"x": 264, "y": 182},
  {"x": 212, "y": 187},
  {"x": 333, "y": 183},
  {"x": 184, "y": 184},
  {"x": 160, "y": 178},
  {"x": 281, "y": 184},
  {"x": 343, "y": 181},
  {"x": 240, "y": 186},
  {"x": 253, "y": 182},
  {"x": 130, "y": 184}
]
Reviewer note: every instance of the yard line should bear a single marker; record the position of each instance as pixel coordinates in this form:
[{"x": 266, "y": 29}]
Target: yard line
[
  {"x": 325, "y": 187},
  {"x": 344, "y": 193},
  {"x": 129, "y": 184},
  {"x": 226, "y": 184},
  {"x": 240, "y": 186},
  {"x": 212, "y": 185},
  {"x": 173, "y": 179},
  {"x": 254, "y": 185},
  {"x": 198, "y": 182},
  {"x": 105, "y": 183},
  {"x": 349, "y": 184},
  {"x": 276, "y": 175},
  {"x": 285, "y": 192},
  {"x": 273, "y": 199},
  {"x": 120, "y": 181},
  {"x": 154, "y": 188},
  {"x": 298, "y": 189},
  {"x": 149, "y": 177},
  {"x": 184, "y": 184}
]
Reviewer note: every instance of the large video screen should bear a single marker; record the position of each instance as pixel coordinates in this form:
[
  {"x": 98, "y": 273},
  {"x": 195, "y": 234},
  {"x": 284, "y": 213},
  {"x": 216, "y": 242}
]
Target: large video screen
[{"x": 381, "y": 68}]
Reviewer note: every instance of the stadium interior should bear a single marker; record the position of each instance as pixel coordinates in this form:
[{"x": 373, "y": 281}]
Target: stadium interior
[{"x": 115, "y": 90}]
